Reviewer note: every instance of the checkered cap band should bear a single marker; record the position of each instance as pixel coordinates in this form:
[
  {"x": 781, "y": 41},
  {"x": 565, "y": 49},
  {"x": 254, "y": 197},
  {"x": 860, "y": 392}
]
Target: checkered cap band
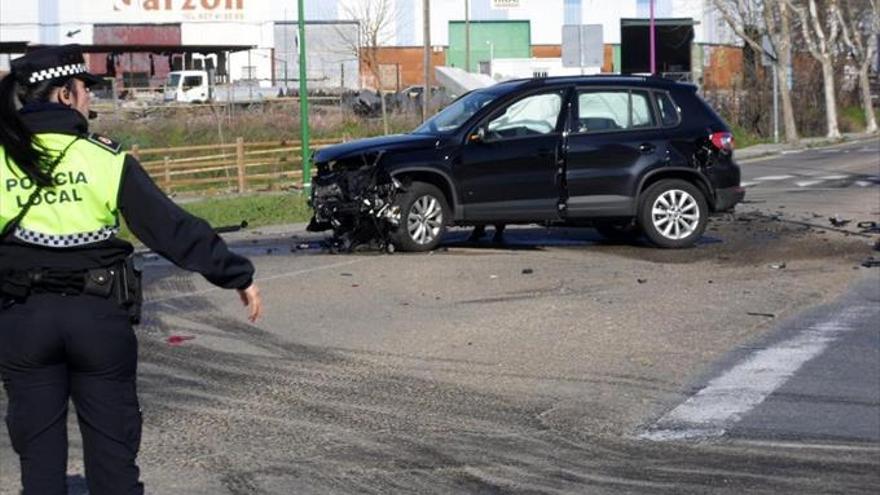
[
  {"x": 56, "y": 72},
  {"x": 63, "y": 241}
]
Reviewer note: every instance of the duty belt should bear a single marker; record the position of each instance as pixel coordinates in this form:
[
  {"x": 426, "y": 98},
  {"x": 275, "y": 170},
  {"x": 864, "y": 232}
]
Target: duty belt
[
  {"x": 121, "y": 280},
  {"x": 19, "y": 284}
]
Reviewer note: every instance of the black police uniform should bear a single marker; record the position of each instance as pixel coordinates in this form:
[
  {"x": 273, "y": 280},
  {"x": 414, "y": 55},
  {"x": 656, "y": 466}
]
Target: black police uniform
[{"x": 59, "y": 343}]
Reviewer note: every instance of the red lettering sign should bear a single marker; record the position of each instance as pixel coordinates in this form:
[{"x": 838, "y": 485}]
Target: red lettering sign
[{"x": 179, "y": 5}]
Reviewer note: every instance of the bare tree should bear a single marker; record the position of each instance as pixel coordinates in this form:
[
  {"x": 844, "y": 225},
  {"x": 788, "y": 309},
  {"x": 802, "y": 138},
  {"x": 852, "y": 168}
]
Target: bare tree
[
  {"x": 821, "y": 29},
  {"x": 770, "y": 18},
  {"x": 374, "y": 21},
  {"x": 860, "y": 19}
]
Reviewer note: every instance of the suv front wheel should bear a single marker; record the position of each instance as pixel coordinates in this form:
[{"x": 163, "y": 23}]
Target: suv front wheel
[
  {"x": 673, "y": 213},
  {"x": 423, "y": 217}
]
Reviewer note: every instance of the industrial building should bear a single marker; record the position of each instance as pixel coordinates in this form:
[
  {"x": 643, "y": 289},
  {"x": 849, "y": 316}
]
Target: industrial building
[{"x": 522, "y": 36}]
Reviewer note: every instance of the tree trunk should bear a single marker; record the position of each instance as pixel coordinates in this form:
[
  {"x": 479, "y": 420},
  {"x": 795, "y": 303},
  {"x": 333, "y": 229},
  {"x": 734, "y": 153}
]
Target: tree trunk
[
  {"x": 830, "y": 99},
  {"x": 865, "y": 86},
  {"x": 791, "y": 133},
  {"x": 783, "y": 44}
]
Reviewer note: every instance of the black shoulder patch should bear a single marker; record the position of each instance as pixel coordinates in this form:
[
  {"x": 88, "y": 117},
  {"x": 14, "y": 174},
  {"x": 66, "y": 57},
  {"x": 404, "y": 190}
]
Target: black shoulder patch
[{"x": 105, "y": 142}]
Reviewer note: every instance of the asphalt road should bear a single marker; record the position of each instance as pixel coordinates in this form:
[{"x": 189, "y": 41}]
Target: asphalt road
[{"x": 554, "y": 363}]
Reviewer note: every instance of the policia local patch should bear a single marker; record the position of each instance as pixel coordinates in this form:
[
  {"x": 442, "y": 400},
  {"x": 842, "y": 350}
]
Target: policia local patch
[{"x": 66, "y": 189}]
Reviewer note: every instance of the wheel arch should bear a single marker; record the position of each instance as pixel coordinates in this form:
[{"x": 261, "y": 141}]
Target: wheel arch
[
  {"x": 686, "y": 174},
  {"x": 434, "y": 177}
]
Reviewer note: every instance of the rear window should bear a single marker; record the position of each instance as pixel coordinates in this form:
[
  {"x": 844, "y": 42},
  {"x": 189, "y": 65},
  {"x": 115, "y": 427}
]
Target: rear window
[
  {"x": 695, "y": 112},
  {"x": 670, "y": 114}
]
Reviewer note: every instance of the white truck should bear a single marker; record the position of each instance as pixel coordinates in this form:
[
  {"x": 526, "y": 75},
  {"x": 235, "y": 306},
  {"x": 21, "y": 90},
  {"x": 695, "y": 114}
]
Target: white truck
[
  {"x": 189, "y": 86},
  {"x": 197, "y": 86}
]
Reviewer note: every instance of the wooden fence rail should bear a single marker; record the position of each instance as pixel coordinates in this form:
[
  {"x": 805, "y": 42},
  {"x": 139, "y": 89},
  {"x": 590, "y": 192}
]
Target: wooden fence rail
[{"x": 235, "y": 166}]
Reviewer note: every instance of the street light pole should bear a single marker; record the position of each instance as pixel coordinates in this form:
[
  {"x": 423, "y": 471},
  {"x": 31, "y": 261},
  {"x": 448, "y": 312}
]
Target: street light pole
[
  {"x": 653, "y": 48},
  {"x": 491, "y": 56},
  {"x": 426, "y": 29},
  {"x": 304, "y": 101},
  {"x": 467, "y": 36}
]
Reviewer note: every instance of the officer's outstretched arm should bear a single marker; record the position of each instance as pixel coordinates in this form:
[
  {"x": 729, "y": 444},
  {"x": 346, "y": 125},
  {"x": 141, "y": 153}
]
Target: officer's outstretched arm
[{"x": 186, "y": 240}]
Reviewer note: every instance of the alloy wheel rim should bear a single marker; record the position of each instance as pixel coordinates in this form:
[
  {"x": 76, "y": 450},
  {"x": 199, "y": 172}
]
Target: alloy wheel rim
[
  {"x": 424, "y": 220},
  {"x": 675, "y": 214}
]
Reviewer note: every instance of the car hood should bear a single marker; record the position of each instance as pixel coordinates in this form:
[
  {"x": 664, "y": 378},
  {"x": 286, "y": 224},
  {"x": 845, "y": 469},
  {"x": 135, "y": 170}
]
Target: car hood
[{"x": 383, "y": 143}]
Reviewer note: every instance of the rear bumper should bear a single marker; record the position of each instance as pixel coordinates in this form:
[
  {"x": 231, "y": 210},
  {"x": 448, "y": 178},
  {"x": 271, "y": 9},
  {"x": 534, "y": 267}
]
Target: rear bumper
[{"x": 727, "y": 198}]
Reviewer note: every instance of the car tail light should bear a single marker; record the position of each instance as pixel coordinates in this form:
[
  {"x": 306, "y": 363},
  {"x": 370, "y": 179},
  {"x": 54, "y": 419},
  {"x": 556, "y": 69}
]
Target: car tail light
[{"x": 722, "y": 140}]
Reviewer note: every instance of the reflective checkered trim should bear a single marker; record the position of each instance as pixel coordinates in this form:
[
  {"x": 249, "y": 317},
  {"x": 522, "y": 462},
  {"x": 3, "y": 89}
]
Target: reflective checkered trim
[
  {"x": 72, "y": 240},
  {"x": 55, "y": 72}
]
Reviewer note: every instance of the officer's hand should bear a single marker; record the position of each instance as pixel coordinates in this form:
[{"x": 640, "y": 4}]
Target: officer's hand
[{"x": 251, "y": 298}]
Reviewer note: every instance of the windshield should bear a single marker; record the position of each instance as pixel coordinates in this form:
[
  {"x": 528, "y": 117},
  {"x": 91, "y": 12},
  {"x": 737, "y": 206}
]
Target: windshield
[
  {"x": 456, "y": 114},
  {"x": 173, "y": 81}
]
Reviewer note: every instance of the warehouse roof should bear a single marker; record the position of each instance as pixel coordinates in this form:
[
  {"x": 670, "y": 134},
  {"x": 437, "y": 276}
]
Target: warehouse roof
[{"x": 23, "y": 47}]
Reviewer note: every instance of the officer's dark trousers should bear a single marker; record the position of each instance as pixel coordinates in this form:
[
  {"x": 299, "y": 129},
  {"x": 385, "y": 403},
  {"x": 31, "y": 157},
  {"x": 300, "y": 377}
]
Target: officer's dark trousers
[{"x": 52, "y": 348}]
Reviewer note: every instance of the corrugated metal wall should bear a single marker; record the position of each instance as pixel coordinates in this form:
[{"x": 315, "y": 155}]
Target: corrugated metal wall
[
  {"x": 135, "y": 69},
  {"x": 333, "y": 58}
]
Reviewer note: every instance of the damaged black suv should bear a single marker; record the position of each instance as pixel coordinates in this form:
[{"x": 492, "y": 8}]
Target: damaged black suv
[{"x": 626, "y": 155}]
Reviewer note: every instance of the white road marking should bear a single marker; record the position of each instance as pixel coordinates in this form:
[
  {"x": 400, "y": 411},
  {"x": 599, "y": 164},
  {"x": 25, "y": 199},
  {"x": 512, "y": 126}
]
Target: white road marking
[
  {"x": 774, "y": 177},
  {"x": 258, "y": 279},
  {"x": 834, "y": 177},
  {"x": 808, "y": 446},
  {"x": 748, "y": 184},
  {"x": 863, "y": 183},
  {"x": 808, "y": 183},
  {"x": 830, "y": 151},
  {"x": 791, "y": 152},
  {"x": 726, "y": 399}
]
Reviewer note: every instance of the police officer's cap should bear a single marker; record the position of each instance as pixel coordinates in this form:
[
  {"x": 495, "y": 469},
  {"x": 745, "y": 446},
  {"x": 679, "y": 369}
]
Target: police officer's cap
[{"x": 55, "y": 63}]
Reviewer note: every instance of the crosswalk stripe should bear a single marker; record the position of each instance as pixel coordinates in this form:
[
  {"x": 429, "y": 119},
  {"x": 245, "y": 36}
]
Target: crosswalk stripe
[
  {"x": 726, "y": 399},
  {"x": 774, "y": 177},
  {"x": 808, "y": 183}
]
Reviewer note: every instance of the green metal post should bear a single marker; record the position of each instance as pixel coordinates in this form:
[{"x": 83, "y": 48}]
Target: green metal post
[{"x": 304, "y": 101}]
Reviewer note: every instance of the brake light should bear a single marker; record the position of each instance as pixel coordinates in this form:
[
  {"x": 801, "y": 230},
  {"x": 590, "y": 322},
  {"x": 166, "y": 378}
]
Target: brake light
[{"x": 723, "y": 141}]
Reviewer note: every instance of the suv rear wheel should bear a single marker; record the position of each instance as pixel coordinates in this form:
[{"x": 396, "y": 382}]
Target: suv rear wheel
[
  {"x": 673, "y": 213},
  {"x": 423, "y": 217}
]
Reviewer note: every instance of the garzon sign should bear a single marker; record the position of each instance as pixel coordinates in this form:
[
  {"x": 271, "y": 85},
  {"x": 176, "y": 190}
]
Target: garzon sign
[
  {"x": 195, "y": 9},
  {"x": 506, "y": 4}
]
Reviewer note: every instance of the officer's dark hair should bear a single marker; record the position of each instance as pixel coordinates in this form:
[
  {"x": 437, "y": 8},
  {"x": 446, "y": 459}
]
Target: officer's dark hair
[{"x": 15, "y": 137}]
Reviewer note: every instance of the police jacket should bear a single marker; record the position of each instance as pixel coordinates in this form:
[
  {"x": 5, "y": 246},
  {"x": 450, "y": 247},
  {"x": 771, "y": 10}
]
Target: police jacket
[{"x": 73, "y": 224}]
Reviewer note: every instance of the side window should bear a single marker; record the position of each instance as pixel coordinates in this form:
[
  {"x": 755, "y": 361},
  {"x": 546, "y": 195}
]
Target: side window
[
  {"x": 670, "y": 115},
  {"x": 603, "y": 111},
  {"x": 613, "y": 110},
  {"x": 192, "y": 81},
  {"x": 531, "y": 116}
]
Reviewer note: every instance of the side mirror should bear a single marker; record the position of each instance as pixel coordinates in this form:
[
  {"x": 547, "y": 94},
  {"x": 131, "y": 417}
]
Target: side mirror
[{"x": 479, "y": 136}]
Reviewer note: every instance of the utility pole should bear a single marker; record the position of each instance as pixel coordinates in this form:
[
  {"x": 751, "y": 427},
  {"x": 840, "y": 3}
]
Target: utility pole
[
  {"x": 653, "y": 48},
  {"x": 467, "y": 36},
  {"x": 426, "y": 91},
  {"x": 304, "y": 101}
]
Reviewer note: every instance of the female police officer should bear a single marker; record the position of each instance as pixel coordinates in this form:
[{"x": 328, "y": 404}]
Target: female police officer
[{"x": 65, "y": 285}]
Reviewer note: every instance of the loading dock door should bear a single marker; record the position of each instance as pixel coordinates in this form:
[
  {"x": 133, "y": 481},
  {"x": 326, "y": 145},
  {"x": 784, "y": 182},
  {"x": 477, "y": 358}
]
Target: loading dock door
[{"x": 673, "y": 46}]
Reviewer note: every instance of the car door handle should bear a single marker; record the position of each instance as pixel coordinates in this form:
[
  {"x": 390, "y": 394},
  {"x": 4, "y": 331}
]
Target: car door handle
[{"x": 647, "y": 148}]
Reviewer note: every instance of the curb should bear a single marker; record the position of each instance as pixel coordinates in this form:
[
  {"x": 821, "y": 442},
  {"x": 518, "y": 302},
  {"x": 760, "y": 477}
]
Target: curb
[{"x": 806, "y": 144}]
